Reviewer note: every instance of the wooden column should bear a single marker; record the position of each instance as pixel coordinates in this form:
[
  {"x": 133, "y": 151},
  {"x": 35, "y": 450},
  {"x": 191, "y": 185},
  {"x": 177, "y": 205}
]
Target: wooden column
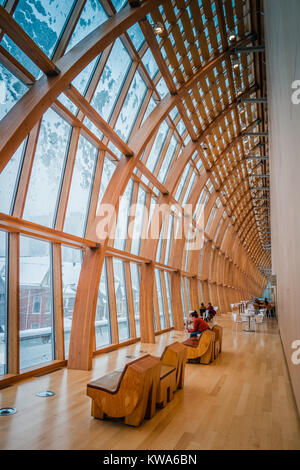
[{"x": 176, "y": 300}]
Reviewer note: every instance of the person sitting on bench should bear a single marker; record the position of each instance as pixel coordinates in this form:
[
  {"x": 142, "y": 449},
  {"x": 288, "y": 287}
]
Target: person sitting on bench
[
  {"x": 202, "y": 310},
  {"x": 199, "y": 325},
  {"x": 210, "y": 312}
]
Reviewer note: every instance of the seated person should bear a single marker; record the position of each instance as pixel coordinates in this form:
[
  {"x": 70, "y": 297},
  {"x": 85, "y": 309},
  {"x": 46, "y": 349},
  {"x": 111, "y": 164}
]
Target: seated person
[
  {"x": 210, "y": 312},
  {"x": 202, "y": 310},
  {"x": 199, "y": 325},
  {"x": 266, "y": 302}
]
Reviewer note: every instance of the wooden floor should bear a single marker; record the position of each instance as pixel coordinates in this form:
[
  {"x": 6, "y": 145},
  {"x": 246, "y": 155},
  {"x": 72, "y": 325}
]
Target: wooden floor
[{"x": 242, "y": 401}]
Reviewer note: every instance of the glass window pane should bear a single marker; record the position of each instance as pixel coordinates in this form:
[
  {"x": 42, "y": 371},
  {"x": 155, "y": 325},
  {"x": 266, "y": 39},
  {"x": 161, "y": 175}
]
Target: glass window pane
[
  {"x": 123, "y": 215},
  {"x": 135, "y": 280},
  {"x": 8, "y": 180},
  {"x": 169, "y": 239},
  {"x": 118, "y": 4},
  {"x": 167, "y": 160},
  {"x": 183, "y": 302},
  {"x": 82, "y": 80},
  {"x": 71, "y": 266},
  {"x": 3, "y": 302},
  {"x": 138, "y": 222},
  {"x": 92, "y": 16},
  {"x": 157, "y": 146},
  {"x": 20, "y": 56},
  {"x": 36, "y": 312},
  {"x": 169, "y": 298},
  {"x": 121, "y": 300},
  {"x": 107, "y": 172},
  {"x": 149, "y": 109},
  {"x": 136, "y": 36},
  {"x": 188, "y": 292},
  {"x": 131, "y": 107},
  {"x": 102, "y": 319},
  {"x": 111, "y": 80},
  {"x": 43, "y": 21},
  {"x": 47, "y": 170},
  {"x": 82, "y": 182},
  {"x": 150, "y": 64},
  {"x": 160, "y": 300},
  {"x": 11, "y": 90}
]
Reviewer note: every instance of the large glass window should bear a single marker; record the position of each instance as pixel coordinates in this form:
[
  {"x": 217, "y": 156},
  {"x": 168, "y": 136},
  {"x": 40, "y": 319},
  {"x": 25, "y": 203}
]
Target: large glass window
[
  {"x": 11, "y": 90},
  {"x": 92, "y": 16},
  {"x": 131, "y": 107},
  {"x": 135, "y": 281},
  {"x": 111, "y": 80},
  {"x": 80, "y": 191},
  {"x": 8, "y": 180},
  {"x": 102, "y": 319},
  {"x": 169, "y": 298},
  {"x": 157, "y": 146},
  {"x": 47, "y": 170},
  {"x": 160, "y": 300},
  {"x": 36, "y": 300},
  {"x": 71, "y": 266},
  {"x": 138, "y": 222},
  {"x": 3, "y": 302},
  {"x": 123, "y": 214},
  {"x": 167, "y": 160},
  {"x": 121, "y": 299},
  {"x": 107, "y": 172}
]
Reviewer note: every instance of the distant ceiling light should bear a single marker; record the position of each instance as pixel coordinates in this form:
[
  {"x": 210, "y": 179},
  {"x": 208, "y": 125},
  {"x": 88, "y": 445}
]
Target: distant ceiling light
[
  {"x": 232, "y": 36},
  {"x": 158, "y": 28},
  {"x": 236, "y": 63}
]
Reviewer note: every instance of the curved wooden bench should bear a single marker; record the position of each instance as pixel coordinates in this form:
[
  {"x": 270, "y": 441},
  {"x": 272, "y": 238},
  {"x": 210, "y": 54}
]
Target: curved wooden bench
[
  {"x": 218, "y": 330},
  {"x": 129, "y": 394},
  {"x": 173, "y": 362},
  {"x": 203, "y": 348}
]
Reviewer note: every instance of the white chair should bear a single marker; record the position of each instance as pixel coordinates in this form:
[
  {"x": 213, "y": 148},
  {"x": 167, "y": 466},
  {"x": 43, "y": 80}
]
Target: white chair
[
  {"x": 244, "y": 317},
  {"x": 237, "y": 319},
  {"x": 259, "y": 318}
]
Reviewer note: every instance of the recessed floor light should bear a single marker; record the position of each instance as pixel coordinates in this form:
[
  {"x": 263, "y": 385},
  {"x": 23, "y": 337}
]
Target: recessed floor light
[
  {"x": 45, "y": 393},
  {"x": 7, "y": 411}
]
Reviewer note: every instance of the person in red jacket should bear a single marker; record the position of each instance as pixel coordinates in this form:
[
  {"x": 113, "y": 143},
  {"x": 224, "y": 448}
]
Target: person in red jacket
[
  {"x": 199, "y": 325},
  {"x": 210, "y": 312}
]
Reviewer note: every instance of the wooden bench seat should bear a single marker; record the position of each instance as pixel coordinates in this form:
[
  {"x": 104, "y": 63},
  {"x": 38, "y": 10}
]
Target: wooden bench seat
[
  {"x": 173, "y": 362},
  {"x": 129, "y": 394},
  {"x": 203, "y": 348}
]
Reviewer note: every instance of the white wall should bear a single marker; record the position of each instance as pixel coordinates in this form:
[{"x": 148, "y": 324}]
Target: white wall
[{"x": 282, "y": 23}]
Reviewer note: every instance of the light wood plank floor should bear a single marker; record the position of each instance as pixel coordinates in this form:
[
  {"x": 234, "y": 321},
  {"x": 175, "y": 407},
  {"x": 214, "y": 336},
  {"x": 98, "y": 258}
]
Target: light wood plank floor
[{"x": 242, "y": 401}]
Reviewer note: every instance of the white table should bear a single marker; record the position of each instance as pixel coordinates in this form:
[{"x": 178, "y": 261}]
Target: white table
[{"x": 249, "y": 315}]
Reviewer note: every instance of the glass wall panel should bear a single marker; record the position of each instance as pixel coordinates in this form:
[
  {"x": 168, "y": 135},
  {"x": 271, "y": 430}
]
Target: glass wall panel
[
  {"x": 36, "y": 299},
  {"x": 169, "y": 239},
  {"x": 71, "y": 266},
  {"x": 111, "y": 81},
  {"x": 92, "y": 16},
  {"x": 182, "y": 182},
  {"x": 169, "y": 298},
  {"x": 131, "y": 107},
  {"x": 150, "y": 63},
  {"x": 80, "y": 191},
  {"x": 43, "y": 21},
  {"x": 135, "y": 281},
  {"x": 183, "y": 302},
  {"x": 123, "y": 215},
  {"x": 107, "y": 172},
  {"x": 11, "y": 90},
  {"x": 47, "y": 170},
  {"x": 160, "y": 300},
  {"x": 9, "y": 180},
  {"x": 188, "y": 292},
  {"x": 3, "y": 302},
  {"x": 136, "y": 36},
  {"x": 102, "y": 319},
  {"x": 121, "y": 299},
  {"x": 167, "y": 160},
  {"x": 118, "y": 4},
  {"x": 157, "y": 146},
  {"x": 138, "y": 222}
]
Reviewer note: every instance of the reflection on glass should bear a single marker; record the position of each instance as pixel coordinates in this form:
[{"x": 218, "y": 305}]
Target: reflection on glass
[
  {"x": 121, "y": 299},
  {"x": 160, "y": 300},
  {"x": 82, "y": 182},
  {"x": 36, "y": 312},
  {"x": 102, "y": 319},
  {"x": 9, "y": 180},
  {"x": 47, "y": 170},
  {"x": 3, "y": 302},
  {"x": 135, "y": 280},
  {"x": 168, "y": 288},
  {"x": 71, "y": 266}
]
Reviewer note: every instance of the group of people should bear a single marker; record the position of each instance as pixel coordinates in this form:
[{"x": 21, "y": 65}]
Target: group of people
[{"x": 199, "y": 324}]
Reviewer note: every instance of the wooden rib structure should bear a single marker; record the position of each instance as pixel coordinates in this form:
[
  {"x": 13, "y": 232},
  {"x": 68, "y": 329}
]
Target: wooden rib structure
[{"x": 208, "y": 173}]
